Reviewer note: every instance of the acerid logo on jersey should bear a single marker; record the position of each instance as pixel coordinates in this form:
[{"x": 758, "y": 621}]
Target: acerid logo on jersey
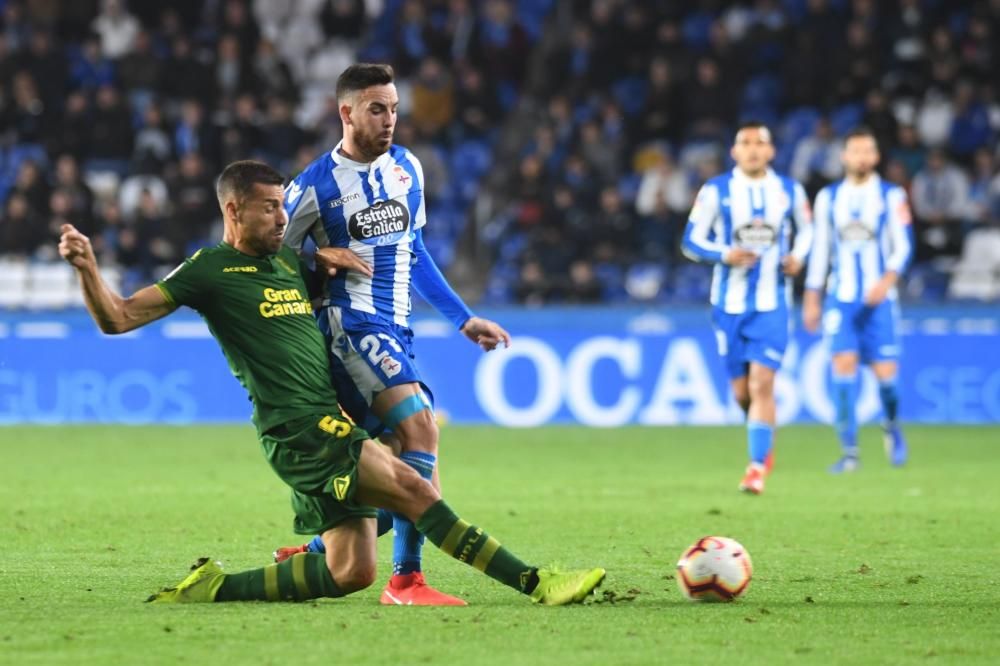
[{"x": 381, "y": 224}]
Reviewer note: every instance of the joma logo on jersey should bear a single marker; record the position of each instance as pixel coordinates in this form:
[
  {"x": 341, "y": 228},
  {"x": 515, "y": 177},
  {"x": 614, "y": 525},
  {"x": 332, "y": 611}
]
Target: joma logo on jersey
[
  {"x": 281, "y": 302},
  {"x": 239, "y": 269},
  {"x": 382, "y": 224}
]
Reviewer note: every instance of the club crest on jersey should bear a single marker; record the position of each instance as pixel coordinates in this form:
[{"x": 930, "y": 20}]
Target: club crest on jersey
[
  {"x": 383, "y": 223},
  {"x": 390, "y": 366},
  {"x": 400, "y": 172},
  {"x": 855, "y": 231},
  {"x": 757, "y": 234}
]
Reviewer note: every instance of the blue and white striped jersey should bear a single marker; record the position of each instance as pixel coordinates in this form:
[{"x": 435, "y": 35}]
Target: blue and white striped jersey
[
  {"x": 733, "y": 210},
  {"x": 862, "y": 231},
  {"x": 372, "y": 209}
]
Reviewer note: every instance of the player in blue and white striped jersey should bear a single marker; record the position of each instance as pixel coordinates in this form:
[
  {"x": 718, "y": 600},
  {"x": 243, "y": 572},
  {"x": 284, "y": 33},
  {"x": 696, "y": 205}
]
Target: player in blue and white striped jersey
[
  {"x": 861, "y": 246},
  {"x": 363, "y": 206},
  {"x": 743, "y": 221}
]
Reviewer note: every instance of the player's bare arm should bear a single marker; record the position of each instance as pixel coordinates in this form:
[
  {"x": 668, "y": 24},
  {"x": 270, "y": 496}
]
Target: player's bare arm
[
  {"x": 880, "y": 289},
  {"x": 335, "y": 259},
  {"x": 791, "y": 265},
  {"x": 812, "y": 309},
  {"x": 740, "y": 257},
  {"x": 485, "y": 333},
  {"x": 112, "y": 313}
]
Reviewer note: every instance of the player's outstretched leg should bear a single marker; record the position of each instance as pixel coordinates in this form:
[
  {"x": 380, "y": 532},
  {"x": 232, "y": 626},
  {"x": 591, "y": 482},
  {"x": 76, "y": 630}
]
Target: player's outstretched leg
[
  {"x": 349, "y": 566},
  {"x": 844, "y": 397},
  {"x": 892, "y": 435},
  {"x": 300, "y": 577},
  {"x": 386, "y": 481},
  {"x": 468, "y": 543}
]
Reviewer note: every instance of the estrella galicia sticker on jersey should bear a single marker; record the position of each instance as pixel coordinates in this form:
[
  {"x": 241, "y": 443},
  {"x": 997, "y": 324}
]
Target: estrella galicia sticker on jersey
[
  {"x": 757, "y": 234},
  {"x": 382, "y": 223}
]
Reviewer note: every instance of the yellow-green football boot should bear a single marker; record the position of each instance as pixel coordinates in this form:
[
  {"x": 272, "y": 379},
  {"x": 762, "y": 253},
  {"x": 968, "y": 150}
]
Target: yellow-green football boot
[
  {"x": 557, "y": 588},
  {"x": 200, "y": 586}
]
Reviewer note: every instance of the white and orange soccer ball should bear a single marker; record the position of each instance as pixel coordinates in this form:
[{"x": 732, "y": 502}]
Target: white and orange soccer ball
[{"x": 714, "y": 568}]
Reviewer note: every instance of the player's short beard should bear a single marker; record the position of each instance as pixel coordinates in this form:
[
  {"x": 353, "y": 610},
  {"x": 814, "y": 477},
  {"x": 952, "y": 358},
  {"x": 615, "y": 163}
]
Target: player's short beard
[{"x": 369, "y": 145}]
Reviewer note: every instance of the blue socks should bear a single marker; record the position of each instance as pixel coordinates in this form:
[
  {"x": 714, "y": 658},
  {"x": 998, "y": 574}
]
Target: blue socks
[
  {"x": 759, "y": 438},
  {"x": 890, "y": 401},
  {"x": 408, "y": 542},
  {"x": 845, "y": 395},
  {"x": 383, "y": 522}
]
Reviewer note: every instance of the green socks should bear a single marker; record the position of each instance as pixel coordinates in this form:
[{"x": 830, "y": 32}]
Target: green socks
[
  {"x": 468, "y": 543},
  {"x": 302, "y": 576}
]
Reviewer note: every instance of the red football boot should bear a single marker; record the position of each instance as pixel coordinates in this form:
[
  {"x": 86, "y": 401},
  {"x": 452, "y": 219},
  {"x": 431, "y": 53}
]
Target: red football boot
[
  {"x": 753, "y": 480},
  {"x": 285, "y": 552},
  {"x": 413, "y": 590},
  {"x": 769, "y": 462}
]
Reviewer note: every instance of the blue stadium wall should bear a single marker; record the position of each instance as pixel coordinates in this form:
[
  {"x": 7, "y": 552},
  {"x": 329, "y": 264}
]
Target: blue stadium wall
[{"x": 600, "y": 367}]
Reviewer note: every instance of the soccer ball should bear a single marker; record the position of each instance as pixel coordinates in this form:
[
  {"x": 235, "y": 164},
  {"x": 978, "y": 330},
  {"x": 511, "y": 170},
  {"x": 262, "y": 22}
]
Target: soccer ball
[{"x": 714, "y": 568}]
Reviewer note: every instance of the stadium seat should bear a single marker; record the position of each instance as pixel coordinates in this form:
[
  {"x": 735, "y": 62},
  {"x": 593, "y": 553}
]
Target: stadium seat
[
  {"x": 612, "y": 279},
  {"x": 692, "y": 283},
  {"x": 643, "y": 282},
  {"x": 762, "y": 92},
  {"x": 13, "y": 282},
  {"x": 630, "y": 93},
  {"x": 977, "y": 273},
  {"x": 50, "y": 285},
  {"x": 21, "y": 152},
  {"x": 798, "y": 124},
  {"x": 471, "y": 157},
  {"x": 845, "y": 118},
  {"x": 442, "y": 250}
]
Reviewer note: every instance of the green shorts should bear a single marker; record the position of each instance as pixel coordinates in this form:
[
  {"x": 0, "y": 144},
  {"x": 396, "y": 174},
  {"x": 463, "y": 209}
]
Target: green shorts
[{"x": 317, "y": 455}]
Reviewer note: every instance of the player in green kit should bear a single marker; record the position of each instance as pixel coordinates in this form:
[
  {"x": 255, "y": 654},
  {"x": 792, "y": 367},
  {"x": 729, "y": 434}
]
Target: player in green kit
[{"x": 252, "y": 293}]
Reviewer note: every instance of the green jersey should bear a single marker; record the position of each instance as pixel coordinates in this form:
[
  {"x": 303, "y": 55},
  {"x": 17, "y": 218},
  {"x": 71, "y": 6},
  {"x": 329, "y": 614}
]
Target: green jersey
[{"x": 258, "y": 309}]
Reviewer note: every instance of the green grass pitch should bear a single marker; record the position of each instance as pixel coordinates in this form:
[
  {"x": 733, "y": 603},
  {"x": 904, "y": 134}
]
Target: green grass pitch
[{"x": 885, "y": 566}]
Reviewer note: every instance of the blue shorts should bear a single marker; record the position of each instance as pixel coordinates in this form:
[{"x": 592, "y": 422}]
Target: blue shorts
[
  {"x": 856, "y": 327},
  {"x": 760, "y": 337},
  {"x": 367, "y": 356}
]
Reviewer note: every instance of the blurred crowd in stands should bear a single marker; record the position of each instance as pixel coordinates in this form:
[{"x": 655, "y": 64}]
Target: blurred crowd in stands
[
  {"x": 640, "y": 107},
  {"x": 117, "y": 115}
]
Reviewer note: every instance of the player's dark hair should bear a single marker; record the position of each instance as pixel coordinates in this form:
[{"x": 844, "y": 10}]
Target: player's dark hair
[
  {"x": 239, "y": 178},
  {"x": 363, "y": 75},
  {"x": 860, "y": 131},
  {"x": 753, "y": 124}
]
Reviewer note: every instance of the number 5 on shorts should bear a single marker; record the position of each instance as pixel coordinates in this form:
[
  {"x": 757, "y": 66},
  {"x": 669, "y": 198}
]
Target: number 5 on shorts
[{"x": 336, "y": 427}]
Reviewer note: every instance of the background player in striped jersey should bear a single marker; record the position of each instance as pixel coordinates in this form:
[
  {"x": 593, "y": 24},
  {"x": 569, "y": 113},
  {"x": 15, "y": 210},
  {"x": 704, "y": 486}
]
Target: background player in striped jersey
[
  {"x": 363, "y": 206},
  {"x": 742, "y": 221},
  {"x": 861, "y": 246}
]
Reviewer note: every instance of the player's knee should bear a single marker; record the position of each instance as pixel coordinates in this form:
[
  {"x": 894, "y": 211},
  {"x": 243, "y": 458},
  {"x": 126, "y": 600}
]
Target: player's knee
[
  {"x": 761, "y": 386},
  {"x": 742, "y": 397},
  {"x": 354, "y": 576}
]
